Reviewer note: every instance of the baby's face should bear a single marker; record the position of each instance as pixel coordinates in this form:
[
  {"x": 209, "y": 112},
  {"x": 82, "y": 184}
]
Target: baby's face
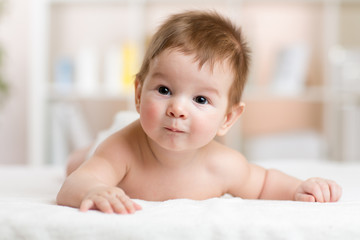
[{"x": 183, "y": 106}]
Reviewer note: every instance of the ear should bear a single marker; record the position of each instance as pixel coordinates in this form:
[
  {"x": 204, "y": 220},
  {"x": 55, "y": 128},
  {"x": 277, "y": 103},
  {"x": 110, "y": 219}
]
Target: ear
[
  {"x": 138, "y": 88},
  {"x": 230, "y": 118}
]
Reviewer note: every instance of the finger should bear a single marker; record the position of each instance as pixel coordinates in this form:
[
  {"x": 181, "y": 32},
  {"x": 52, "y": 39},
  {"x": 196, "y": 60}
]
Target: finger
[
  {"x": 325, "y": 190},
  {"x": 304, "y": 197},
  {"x": 118, "y": 206},
  {"x": 137, "y": 206},
  {"x": 86, "y": 205},
  {"x": 314, "y": 189},
  {"x": 335, "y": 191},
  {"x": 127, "y": 203},
  {"x": 103, "y": 205}
]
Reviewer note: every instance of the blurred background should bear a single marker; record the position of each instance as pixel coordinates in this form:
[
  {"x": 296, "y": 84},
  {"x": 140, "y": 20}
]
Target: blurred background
[{"x": 66, "y": 69}]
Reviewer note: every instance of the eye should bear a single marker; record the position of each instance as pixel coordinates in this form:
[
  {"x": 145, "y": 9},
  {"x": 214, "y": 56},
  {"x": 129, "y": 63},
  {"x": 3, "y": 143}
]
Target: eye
[
  {"x": 201, "y": 100},
  {"x": 164, "y": 90}
]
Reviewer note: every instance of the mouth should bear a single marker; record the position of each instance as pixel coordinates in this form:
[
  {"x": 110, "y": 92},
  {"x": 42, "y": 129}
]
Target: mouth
[{"x": 174, "y": 130}]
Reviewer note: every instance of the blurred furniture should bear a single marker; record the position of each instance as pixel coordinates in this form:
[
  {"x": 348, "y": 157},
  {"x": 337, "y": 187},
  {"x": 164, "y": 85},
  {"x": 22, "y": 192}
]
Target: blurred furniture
[
  {"x": 344, "y": 101},
  {"x": 288, "y": 86}
]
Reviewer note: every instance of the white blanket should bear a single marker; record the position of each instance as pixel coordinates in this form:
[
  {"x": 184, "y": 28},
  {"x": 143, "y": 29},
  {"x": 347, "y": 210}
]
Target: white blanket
[{"x": 28, "y": 211}]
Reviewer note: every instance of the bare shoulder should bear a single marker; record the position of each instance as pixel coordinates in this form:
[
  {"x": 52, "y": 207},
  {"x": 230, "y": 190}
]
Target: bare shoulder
[
  {"x": 224, "y": 160},
  {"x": 120, "y": 144},
  {"x": 113, "y": 157},
  {"x": 240, "y": 178}
]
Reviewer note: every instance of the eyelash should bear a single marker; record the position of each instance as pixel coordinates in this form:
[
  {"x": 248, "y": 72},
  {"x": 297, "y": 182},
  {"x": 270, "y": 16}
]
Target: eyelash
[{"x": 198, "y": 99}]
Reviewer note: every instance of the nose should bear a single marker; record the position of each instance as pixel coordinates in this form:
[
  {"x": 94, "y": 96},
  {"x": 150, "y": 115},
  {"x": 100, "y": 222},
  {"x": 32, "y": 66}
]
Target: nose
[{"x": 176, "y": 109}]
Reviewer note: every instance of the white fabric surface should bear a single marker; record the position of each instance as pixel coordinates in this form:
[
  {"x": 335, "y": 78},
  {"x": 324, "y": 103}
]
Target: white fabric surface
[{"x": 28, "y": 211}]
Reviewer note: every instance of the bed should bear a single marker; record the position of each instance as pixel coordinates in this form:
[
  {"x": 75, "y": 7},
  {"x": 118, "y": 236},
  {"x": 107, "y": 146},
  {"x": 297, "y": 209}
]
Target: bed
[{"x": 28, "y": 211}]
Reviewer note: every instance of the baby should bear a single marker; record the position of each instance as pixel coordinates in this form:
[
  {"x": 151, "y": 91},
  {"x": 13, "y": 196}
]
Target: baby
[{"x": 187, "y": 92}]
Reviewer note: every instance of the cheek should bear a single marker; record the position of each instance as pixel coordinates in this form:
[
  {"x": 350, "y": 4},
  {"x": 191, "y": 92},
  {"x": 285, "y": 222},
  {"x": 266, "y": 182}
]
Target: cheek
[
  {"x": 207, "y": 126},
  {"x": 149, "y": 114}
]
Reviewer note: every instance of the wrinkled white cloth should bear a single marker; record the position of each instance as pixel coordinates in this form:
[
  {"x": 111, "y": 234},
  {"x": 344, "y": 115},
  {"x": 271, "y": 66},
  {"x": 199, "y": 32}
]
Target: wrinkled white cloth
[
  {"x": 216, "y": 218},
  {"x": 28, "y": 211}
]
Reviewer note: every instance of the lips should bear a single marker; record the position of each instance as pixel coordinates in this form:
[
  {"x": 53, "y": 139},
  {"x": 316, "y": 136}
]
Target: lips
[{"x": 174, "y": 130}]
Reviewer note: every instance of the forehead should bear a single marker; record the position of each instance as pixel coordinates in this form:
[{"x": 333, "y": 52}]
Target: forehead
[{"x": 176, "y": 62}]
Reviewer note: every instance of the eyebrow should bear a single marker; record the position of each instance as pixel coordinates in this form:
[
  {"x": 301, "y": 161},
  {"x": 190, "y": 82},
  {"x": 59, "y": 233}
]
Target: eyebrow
[
  {"x": 159, "y": 74},
  {"x": 213, "y": 90}
]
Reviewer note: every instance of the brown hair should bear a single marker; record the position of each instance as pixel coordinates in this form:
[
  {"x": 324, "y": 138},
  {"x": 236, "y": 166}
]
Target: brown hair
[{"x": 210, "y": 37}]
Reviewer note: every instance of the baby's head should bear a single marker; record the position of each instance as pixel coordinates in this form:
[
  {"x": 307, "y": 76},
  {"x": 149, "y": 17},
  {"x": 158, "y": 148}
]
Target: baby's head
[{"x": 210, "y": 37}]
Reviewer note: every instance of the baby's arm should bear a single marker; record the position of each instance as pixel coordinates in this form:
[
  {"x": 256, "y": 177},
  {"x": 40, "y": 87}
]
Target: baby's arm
[
  {"x": 93, "y": 186},
  {"x": 251, "y": 181},
  {"x": 278, "y": 185}
]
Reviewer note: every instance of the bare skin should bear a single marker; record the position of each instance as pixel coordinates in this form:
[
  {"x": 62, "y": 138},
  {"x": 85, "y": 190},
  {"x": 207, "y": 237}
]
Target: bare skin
[
  {"x": 76, "y": 158},
  {"x": 146, "y": 178},
  {"x": 170, "y": 153}
]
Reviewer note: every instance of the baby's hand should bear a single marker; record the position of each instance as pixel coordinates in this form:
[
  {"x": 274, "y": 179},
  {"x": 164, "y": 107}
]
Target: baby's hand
[
  {"x": 318, "y": 190},
  {"x": 109, "y": 200}
]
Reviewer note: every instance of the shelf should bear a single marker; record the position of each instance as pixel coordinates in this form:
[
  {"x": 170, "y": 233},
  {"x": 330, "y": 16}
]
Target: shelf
[
  {"x": 96, "y": 96},
  {"x": 311, "y": 94}
]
